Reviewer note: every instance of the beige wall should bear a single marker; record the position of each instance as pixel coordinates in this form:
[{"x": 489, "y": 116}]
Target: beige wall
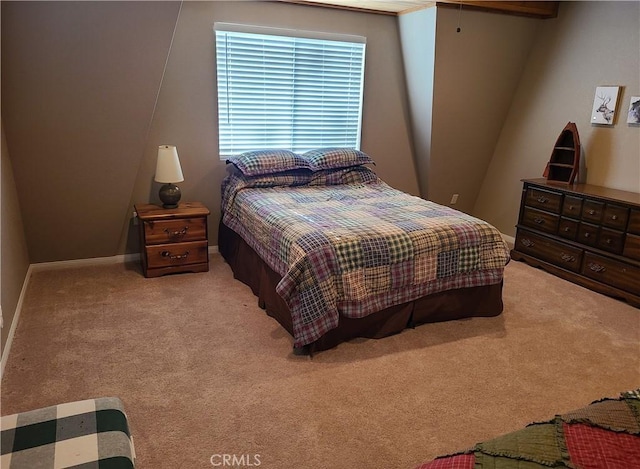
[
  {"x": 79, "y": 83},
  {"x": 477, "y": 71},
  {"x": 589, "y": 44},
  {"x": 15, "y": 257},
  {"x": 186, "y": 115}
]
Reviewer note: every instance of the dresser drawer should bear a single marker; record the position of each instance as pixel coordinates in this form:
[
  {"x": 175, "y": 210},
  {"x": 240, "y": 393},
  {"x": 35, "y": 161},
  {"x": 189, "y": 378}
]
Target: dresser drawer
[
  {"x": 615, "y": 216},
  {"x": 544, "y": 200},
  {"x": 572, "y": 206},
  {"x": 540, "y": 220},
  {"x": 614, "y": 273},
  {"x": 175, "y": 230},
  {"x": 592, "y": 211},
  {"x": 610, "y": 240},
  {"x": 634, "y": 222},
  {"x": 587, "y": 234},
  {"x": 568, "y": 228},
  {"x": 632, "y": 247},
  {"x": 548, "y": 250},
  {"x": 169, "y": 255}
]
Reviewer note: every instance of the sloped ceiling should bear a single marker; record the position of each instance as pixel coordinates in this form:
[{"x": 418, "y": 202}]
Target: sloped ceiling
[{"x": 79, "y": 79}]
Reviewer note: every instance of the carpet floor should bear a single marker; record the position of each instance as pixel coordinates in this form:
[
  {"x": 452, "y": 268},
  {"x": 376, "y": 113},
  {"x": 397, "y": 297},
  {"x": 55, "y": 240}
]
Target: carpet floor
[{"x": 203, "y": 372}]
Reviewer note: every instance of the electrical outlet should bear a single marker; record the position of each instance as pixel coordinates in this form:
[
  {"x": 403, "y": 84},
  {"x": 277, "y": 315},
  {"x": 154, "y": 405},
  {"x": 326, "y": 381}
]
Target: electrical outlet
[{"x": 454, "y": 199}]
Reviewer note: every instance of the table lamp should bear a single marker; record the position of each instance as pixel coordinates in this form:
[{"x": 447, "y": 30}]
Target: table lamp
[{"x": 168, "y": 172}]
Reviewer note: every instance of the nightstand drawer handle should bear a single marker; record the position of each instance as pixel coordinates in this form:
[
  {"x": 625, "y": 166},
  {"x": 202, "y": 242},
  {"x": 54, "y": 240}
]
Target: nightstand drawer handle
[
  {"x": 567, "y": 258},
  {"x": 614, "y": 217},
  {"x": 174, "y": 258},
  {"x": 592, "y": 212},
  {"x": 543, "y": 200},
  {"x": 596, "y": 267},
  {"x": 177, "y": 234},
  {"x": 539, "y": 220}
]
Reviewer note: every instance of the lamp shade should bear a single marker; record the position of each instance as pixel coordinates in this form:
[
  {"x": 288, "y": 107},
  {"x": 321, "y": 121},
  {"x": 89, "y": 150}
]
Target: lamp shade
[{"x": 168, "y": 168}]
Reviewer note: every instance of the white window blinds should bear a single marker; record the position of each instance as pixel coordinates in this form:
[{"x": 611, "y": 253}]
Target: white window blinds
[{"x": 281, "y": 90}]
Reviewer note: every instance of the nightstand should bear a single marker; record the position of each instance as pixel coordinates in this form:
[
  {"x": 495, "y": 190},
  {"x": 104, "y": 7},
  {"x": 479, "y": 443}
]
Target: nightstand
[{"x": 173, "y": 240}]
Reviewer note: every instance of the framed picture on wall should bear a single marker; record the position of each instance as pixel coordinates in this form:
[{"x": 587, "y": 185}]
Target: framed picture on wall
[
  {"x": 633, "y": 117},
  {"x": 604, "y": 105}
]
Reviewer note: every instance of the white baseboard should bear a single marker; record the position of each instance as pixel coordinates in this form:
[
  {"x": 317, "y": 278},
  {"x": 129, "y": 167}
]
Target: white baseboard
[
  {"x": 510, "y": 240},
  {"x": 14, "y": 322}
]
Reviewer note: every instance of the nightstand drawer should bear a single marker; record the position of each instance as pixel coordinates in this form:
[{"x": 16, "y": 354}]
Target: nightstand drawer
[
  {"x": 175, "y": 231},
  {"x": 170, "y": 255}
]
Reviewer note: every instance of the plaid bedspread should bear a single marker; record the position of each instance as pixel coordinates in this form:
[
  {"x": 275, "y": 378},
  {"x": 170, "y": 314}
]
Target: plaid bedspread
[
  {"x": 90, "y": 434},
  {"x": 357, "y": 248}
]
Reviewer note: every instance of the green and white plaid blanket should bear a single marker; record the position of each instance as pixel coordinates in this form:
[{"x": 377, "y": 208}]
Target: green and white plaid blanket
[{"x": 90, "y": 434}]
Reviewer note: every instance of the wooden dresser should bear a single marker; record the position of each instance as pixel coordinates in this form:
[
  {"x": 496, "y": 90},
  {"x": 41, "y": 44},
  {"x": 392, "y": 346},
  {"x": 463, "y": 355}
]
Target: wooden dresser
[
  {"x": 173, "y": 239},
  {"x": 586, "y": 234}
]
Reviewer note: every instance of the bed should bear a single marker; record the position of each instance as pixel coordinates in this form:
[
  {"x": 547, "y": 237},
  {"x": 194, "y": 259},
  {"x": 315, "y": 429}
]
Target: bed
[
  {"x": 605, "y": 434},
  {"x": 334, "y": 253}
]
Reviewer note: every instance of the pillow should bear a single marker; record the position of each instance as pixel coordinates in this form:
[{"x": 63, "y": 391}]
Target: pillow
[
  {"x": 330, "y": 158},
  {"x": 257, "y": 162},
  {"x": 353, "y": 175}
]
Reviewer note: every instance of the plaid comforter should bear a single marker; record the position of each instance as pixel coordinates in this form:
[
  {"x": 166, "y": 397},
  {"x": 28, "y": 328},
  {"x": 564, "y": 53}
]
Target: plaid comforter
[
  {"x": 90, "y": 434},
  {"x": 358, "y": 247}
]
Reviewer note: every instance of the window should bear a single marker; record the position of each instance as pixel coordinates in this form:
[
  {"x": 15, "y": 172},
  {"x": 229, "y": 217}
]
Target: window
[{"x": 287, "y": 89}]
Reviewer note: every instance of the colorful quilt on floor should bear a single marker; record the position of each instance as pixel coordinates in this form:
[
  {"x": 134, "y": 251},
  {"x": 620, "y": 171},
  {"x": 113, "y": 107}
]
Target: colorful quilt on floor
[{"x": 603, "y": 435}]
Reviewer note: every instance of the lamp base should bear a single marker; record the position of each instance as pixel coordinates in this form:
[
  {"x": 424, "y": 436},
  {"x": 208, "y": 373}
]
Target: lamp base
[{"x": 170, "y": 195}]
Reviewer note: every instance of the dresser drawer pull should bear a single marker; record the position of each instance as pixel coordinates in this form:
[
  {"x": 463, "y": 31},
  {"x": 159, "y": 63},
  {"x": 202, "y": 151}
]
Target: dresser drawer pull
[
  {"x": 567, "y": 229},
  {"x": 527, "y": 242},
  {"x": 592, "y": 212},
  {"x": 542, "y": 200},
  {"x": 614, "y": 217},
  {"x": 174, "y": 258},
  {"x": 177, "y": 234},
  {"x": 571, "y": 208},
  {"x": 609, "y": 241},
  {"x": 587, "y": 235},
  {"x": 568, "y": 258},
  {"x": 596, "y": 267},
  {"x": 539, "y": 220}
]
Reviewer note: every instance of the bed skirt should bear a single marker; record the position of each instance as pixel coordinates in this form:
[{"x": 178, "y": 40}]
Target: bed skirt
[{"x": 249, "y": 268}]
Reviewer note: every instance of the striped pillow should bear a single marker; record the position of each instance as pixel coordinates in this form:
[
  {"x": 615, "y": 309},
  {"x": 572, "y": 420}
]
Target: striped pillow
[
  {"x": 330, "y": 158},
  {"x": 257, "y": 162}
]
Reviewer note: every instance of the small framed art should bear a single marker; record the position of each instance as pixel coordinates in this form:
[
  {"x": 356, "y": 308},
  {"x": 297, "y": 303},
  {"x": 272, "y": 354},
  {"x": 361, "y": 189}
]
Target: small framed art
[
  {"x": 604, "y": 105},
  {"x": 633, "y": 116}
]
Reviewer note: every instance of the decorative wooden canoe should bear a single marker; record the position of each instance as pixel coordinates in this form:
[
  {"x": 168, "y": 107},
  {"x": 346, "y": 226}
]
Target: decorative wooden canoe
[{"x": 565, "y": 157}]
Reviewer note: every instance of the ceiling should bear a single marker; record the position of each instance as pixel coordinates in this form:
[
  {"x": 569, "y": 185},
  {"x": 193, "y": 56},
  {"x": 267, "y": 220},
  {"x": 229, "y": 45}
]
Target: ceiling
[
  {"x": 539, "y": 9},
  {"x": 381, "y": 6}
]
